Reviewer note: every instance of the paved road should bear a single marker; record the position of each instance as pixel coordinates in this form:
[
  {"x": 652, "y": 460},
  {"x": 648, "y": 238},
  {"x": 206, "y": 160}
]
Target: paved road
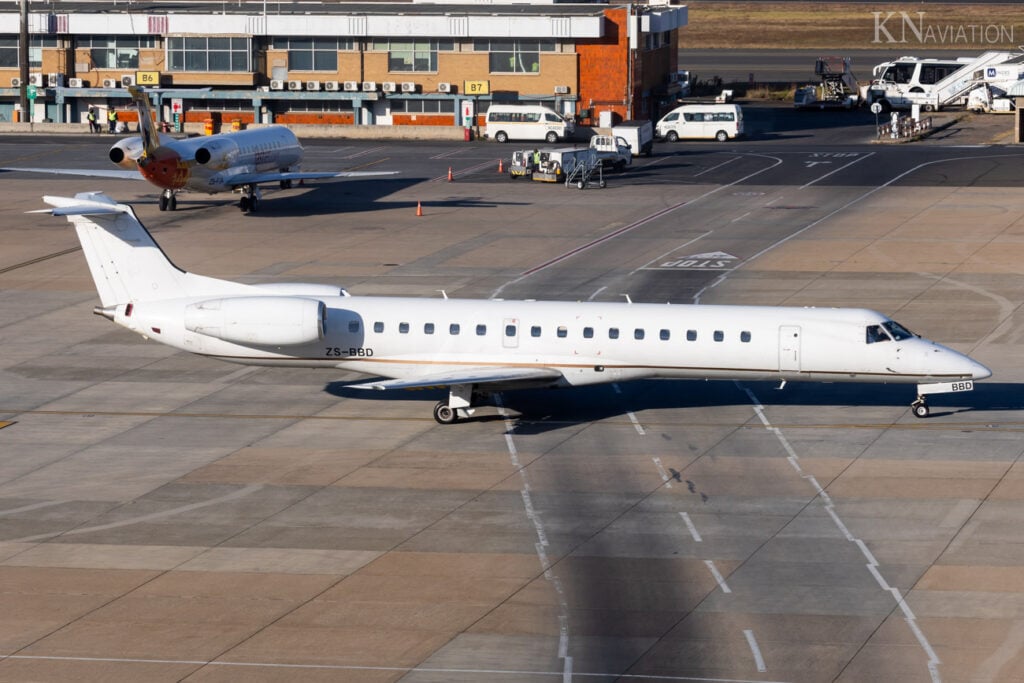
[{"x": 170, "y": 518}]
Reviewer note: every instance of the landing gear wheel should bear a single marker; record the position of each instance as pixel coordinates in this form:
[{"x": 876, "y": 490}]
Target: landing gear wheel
[
  {"x": 445, "y": 414},
  {"x": 920, "y": 408},
  {"x": 164, "y": 201},
  {"x": 286, "y": 184},
  {"x": 172, "y": 203},
  {"x": 243, "y": 204}
]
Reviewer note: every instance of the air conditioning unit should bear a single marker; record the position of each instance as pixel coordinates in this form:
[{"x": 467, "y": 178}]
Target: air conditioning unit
[
  {"x": 15, "y": 82},
  {"x": 276, "y": 85},
  {"x": 36, "y": 80},
  {"x": 55, "y": 80},
  {"x": 295, "y": 85},
  {"x": 386, "y": 86},
  {"x": 332, "y": 86},
  {"x": 369, "y": 86},
  {"x": 351, "y": 86},
  {"x": 408, "y": 87},
  {"x": 312, "y": 85},
  {"x": 76, "y": 83},
  {"x": 111, "y": 83},
  {"x": 561, "y": 90},
  {"x": 127, "y": 79},
  {"x": 445, "y": 87}
]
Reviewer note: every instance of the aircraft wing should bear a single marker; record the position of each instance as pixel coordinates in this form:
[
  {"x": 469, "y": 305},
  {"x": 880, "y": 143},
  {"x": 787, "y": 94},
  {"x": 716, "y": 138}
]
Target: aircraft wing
[
  {"x": 485, "y": 375},
  {"x": 92, "y": 172},
  {"x": 275, "y": 176}
]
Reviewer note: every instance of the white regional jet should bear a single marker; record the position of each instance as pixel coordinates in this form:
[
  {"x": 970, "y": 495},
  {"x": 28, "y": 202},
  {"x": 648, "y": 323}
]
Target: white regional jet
[
  {"x": 215, "y": 163},
  {"x": 476, "y": 347}
]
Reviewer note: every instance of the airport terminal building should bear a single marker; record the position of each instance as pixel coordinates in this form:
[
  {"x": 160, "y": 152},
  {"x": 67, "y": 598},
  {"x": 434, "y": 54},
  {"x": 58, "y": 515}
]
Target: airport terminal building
[{"x": 333, "y": 62}]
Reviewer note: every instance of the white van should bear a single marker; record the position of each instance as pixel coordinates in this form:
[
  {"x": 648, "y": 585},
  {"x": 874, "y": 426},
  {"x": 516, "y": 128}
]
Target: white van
[
  {"x": 525, "y": 122},
  {"x": 701, "y": 122}
]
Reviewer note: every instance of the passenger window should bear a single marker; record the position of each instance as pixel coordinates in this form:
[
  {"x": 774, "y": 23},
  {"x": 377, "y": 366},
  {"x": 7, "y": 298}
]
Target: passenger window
[
  {"x": 664, "y": 334},
  {"x": 638, "y": 333},
  {"x": 481, "y": 330},
  {"x": 453, "y": 329},
  {"x": 562, "y": 332},
  {"x": 691, "y": 335},
  {"x": 744, "y": 337},
  {"x": 428, "y": 328},
  {"x": 613, "y": 333},
  {"x": 719, "y": 336},
  {"x": 378, "y": 327},
  {"x": 353, "y": 326},
  {"x": 535, "y": 331},
  {"x": 510, "y": 330},
  {"x": 672, "y": 117},
  {"x": 588, "y": 332},
  {"x": 403, "y": 328}
]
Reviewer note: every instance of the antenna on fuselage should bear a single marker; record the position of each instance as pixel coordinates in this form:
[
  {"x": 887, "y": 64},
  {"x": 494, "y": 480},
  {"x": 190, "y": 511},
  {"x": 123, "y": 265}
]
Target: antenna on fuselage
[
  {"x": 443, "y": 293},
  {"x": 628, "y": 300}
]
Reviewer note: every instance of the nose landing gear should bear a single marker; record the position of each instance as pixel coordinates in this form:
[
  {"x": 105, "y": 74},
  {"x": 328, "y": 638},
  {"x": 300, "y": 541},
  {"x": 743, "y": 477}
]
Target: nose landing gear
[
  {"x": 168, "y": 202},
  {"x": 250, "y": 197}
]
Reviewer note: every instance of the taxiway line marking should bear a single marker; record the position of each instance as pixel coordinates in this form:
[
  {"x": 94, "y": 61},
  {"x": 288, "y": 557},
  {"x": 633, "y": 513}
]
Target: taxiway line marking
[
  {"x": 872, "y": 563},
  {"x": 718, "y": 576},
  {"x": 752, "y": 642},
  {"x": 692, "y": 528},
  {"x": 860, "y": 158},
  {"x": 708, "y": 170},
  {"x": 661, "y": 470}
]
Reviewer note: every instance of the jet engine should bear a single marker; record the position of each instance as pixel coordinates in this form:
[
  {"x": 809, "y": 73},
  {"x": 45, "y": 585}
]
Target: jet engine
[
  {"x": 259, "y": 320},
  {"x": 216, "y": 153},
  {"x": 126, "y": 152}
]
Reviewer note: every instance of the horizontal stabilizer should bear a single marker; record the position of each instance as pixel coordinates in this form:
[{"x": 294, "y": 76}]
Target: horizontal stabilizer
[
  {"x": 82, "y": 204},
  {"x": 485, "y": 375}
]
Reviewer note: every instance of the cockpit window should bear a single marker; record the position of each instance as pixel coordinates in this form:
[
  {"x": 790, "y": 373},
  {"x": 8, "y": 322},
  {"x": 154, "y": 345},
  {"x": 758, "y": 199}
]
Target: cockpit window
[
  {"x": 875, "y": 333},
  {"x": 898, "y": 332}
]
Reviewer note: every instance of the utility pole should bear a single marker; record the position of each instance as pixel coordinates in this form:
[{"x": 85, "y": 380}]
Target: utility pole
[{"x": 23, "y": 61}]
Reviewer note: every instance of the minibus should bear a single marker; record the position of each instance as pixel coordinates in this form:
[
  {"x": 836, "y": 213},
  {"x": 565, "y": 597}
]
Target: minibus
[{"x": 701, "y": 122}]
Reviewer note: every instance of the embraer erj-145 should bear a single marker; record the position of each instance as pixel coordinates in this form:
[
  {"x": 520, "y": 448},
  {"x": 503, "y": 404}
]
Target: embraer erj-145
[
  {"x": 477, "y": 347},
  {"x": 210, "y": 164}
]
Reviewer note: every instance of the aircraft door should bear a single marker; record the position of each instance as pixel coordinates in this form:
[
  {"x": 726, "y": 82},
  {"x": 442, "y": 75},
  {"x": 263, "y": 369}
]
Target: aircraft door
[
  {"x": 510, "y": 333},
  {"x": 789, "y": 348}
]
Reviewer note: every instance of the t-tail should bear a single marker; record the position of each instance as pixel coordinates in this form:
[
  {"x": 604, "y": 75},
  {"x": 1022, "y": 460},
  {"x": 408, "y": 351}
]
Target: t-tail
[
  {"x": 126, "y": 263},
  {"x": 147, "y": 127}
]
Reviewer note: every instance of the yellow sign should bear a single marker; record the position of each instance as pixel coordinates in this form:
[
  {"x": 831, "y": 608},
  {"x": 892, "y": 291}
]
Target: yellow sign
[
  {"x": 147, "y": 78},
  {"x": 476, "y": 87}
]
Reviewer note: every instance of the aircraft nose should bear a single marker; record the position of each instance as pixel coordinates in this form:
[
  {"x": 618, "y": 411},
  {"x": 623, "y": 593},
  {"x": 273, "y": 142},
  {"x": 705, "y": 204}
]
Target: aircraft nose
[{"x": 977, "y": 370}]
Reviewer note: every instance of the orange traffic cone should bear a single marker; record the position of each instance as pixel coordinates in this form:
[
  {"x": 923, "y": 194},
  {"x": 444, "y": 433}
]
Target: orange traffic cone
[
  {"x": 501, "y": 166},
  {"x": 450, "y": 177},
  {"x": 419, "y": 209}
]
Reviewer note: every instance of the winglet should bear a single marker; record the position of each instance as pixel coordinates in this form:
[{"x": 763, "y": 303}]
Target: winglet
[{"x": 82, "y": 204}]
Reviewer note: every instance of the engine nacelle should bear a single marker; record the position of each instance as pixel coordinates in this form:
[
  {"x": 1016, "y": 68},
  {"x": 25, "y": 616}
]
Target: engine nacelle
[
  {"x": 126, "y": 152},
  {"x": 216, "y": 153},
  {"x": 259, "y": 320}
]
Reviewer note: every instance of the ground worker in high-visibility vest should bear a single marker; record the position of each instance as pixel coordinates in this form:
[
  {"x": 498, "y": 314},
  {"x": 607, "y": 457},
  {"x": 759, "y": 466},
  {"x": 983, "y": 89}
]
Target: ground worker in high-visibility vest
[
  {"x": 94, "y": 124},
  {"x": 112, "y": 119}
]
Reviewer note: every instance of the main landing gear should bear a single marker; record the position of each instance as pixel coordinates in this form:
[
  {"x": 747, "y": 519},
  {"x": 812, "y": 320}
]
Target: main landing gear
[
  {"x": 920, "y": 407},
  {"x": 250, "y": 197},
  {"x": 168, "y": 202},
  {"x": 461, "y": 399}
]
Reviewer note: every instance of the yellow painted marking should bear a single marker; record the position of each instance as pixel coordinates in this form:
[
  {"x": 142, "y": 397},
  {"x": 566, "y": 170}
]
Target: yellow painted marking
[{"x": 5, "y": 424}]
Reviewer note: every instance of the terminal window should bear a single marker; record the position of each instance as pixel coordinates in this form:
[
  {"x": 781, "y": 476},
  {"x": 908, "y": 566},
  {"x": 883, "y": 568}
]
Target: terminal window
[
  {"x": 514, "y": 56},
  {"x": 115, "y": 52},
  {"x": 312, "y": 54},
  {"x": 208, "y": 54},
  {"x": 412, "y": 55},
  {"x": 9, "y": 50}
]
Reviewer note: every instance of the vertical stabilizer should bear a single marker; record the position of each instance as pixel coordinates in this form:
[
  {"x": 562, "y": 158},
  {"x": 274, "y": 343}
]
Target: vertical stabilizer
[
  {"x": 147, "y": 127},
  {"x": 126, "y": 264}
]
